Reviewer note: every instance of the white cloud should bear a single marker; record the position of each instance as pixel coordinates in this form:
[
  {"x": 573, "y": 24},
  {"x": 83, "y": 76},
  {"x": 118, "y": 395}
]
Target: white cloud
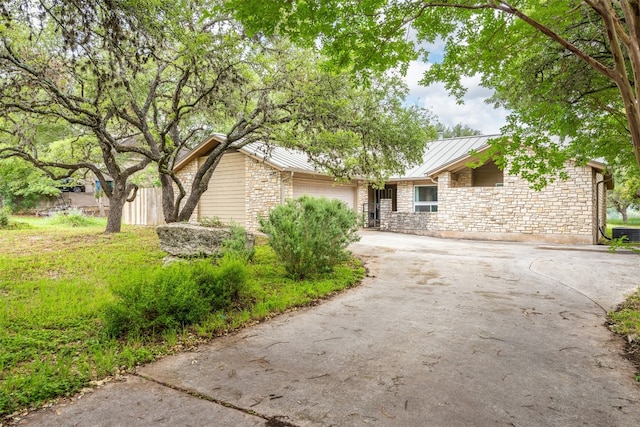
[{"x": 474, "y": 112}]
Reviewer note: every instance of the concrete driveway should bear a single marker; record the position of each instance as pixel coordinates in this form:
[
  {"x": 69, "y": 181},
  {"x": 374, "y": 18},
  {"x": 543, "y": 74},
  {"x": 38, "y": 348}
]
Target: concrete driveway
[{"x": 442, "y": 333}]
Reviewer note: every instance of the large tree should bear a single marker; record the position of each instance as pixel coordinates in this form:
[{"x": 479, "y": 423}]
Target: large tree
[
  {"x": 626, "y": 194},
  {"x": 580, "y": 61},
  {"x": 151, "y": 79}
]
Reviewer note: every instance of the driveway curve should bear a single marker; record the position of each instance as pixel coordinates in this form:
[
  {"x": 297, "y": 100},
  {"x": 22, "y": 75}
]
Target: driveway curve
[{"x": 440, "y": 333}]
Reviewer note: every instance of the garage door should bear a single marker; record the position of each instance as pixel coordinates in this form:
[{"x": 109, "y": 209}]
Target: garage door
[{"x": 345, "y": 193}]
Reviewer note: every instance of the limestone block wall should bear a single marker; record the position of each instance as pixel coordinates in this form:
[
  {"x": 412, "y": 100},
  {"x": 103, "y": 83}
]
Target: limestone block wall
[
  {"x": 563, "y": 212},
  {"x": 464, "y": 178},
  {"x": 264, "y": 189},
  {"x": 362, "y": 199},
  {"x": 387, "y": 216},
  {"x": 405, "y": 196}
]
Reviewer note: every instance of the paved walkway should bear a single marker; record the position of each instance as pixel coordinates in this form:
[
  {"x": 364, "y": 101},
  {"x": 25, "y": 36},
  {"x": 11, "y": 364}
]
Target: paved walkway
[{"x": 442, "y": 333}]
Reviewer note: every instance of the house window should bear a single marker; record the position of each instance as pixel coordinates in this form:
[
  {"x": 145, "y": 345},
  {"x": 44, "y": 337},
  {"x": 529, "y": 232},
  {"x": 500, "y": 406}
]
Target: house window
[{"x": 425, "y": 198}]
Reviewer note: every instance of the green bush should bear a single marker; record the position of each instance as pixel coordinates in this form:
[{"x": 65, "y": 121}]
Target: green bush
[
  {"x": 236, "y": 244},
  {"x": 72, "y": 218},
  {"x": 178, "y": 295},
  {"x": 4, "y": 218},
  {"x": 211, "y": 221},
  {"x": 310, "y": 235},
  {"x": 226, "y": 286}
]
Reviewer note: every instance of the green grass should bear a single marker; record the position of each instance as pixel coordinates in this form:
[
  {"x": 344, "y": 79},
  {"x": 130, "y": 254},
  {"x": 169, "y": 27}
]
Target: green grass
[
  {"x": 626, "y": 322},
  {"x": 611, "y": 223},
  {"x": 55, "y": 282},
  {"x": 632, "y": 222}
]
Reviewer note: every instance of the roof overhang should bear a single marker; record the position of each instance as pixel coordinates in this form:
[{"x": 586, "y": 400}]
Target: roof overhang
[
  {"x": 202, "y": 149},
  {"x": 457, "y": 164}
]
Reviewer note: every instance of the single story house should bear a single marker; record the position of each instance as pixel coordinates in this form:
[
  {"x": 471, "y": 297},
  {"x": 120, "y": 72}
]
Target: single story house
[
  {"x": 441, "y": 197},
  {"x": 250, "y": 181}
]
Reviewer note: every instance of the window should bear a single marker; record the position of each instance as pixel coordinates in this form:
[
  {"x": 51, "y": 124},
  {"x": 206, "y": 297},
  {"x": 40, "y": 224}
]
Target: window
[{"x": 425, "y": 198}]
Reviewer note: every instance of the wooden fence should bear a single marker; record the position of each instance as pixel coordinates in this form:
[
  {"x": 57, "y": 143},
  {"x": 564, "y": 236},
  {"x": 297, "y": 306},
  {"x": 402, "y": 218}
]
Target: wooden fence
[{"x": 146, "y": 209}]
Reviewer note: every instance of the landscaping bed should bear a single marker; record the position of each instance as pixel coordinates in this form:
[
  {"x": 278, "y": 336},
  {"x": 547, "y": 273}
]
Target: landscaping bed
[{"x": 56, "y": 283}]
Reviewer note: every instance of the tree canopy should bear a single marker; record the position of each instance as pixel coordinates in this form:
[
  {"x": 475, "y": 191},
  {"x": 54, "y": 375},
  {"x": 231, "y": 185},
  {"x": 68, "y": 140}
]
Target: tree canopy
[
  {"x": 456, "y": 130},
  {"x": 564, "y": 68},
  {"x": 147, "y": 80},
  {"x": 626, "y": 193}
]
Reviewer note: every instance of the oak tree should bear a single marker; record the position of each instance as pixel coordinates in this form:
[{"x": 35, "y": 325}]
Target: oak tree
[{"x": 567, "y": 68}]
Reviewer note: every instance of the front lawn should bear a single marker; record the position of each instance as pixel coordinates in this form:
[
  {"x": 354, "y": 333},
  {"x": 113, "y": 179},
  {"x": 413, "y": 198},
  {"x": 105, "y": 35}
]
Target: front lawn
[{"x": 56, "y": 281}]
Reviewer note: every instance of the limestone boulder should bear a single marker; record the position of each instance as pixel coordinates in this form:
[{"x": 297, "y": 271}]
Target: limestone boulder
[{"x": 187, "y": 240}]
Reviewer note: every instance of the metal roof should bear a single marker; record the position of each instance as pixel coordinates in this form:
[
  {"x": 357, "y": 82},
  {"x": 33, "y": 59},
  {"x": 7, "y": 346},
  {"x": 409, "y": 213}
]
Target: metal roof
[
  {"x": 439, "y": 153},
  {"x": 442, "y": 152},
  {"x": 281, "y": 158}
]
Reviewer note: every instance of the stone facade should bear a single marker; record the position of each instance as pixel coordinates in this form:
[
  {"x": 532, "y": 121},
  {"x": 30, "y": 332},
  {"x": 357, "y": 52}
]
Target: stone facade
[
  {"x": 265, "y": 188},
  {"x": 563, "y": 212}
]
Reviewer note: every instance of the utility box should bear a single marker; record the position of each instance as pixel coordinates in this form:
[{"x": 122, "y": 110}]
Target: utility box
[{"x": 633, "y": 234}]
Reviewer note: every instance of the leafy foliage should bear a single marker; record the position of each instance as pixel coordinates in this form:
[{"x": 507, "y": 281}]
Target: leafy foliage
[
  {"x": 136, "y": 86},
  {"x": 180, "y": 294},
  {"x": 72, "y": 218},
  {"x": 455, "y": 131},
  {"x": 54, "y": 289},
  {"x": 4, "y": 218},
  {"x": 22, "y": 185},
  {"x": 626, "y": 193},
  {"x": 236, "y": 245},
  {"x": 310, "y": 235},
  {"x": 564, "y": 68}
]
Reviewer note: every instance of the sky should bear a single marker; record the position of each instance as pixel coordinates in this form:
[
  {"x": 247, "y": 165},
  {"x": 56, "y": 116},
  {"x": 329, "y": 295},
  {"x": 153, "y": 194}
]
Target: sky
[{"x": 474, "y": 112}]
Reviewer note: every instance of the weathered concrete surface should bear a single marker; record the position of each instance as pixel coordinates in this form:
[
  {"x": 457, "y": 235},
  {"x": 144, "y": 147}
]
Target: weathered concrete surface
[
  {"x": 141, "y": 403},
  {"x": 446, "y": 332}
]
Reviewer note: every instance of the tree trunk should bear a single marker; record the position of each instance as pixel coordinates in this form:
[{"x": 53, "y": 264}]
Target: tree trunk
[
  {"x": 116, "y": 204},
  {"x": 168, "y": 199},
  {"x": 625, "y": 216},
  {"x": 114, "y": 219}
]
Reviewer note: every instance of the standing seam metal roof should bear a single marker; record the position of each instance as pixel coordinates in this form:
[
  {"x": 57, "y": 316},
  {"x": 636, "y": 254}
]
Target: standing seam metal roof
[
  {"x": 438, "y": 154},
  {"x": 280, "y": 157},
  {"x": 443, "y": 152}
]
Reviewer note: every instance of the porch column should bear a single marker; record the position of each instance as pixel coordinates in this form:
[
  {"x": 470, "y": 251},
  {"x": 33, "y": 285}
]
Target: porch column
[{"x": 386, "y": 206}]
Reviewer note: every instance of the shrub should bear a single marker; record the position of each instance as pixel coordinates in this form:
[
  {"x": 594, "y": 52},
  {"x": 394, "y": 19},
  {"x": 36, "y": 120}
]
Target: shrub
[
  {"x": 212, "y": 221},
  {"x": 227, "y": 284},
  {"x": 178, "y": 295},
  {"x": 310, "y": 235},
  {"x": 72, "y": 218},
  {"x": 4, "y": 218},
  {"x": 236, "y": 244}
]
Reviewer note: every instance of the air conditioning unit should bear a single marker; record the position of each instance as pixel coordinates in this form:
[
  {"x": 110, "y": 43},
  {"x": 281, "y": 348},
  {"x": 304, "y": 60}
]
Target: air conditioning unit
[{"x": 632, "y": 234}]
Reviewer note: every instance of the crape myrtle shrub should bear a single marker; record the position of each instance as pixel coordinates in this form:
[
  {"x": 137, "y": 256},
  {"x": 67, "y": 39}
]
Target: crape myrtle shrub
[{"x": 310, "y": 235}]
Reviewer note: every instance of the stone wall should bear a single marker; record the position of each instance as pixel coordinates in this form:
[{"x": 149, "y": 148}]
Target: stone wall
[
  {"x": 265, "y": 189},
  {"x": 405, "y": 196},
  {"x": 464, "y": 178},
  {"x": 362, "y": 199},
  {"x": 563, "y": 212}
]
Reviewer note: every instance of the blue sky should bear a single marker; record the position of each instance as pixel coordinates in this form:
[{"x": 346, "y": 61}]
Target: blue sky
[{"x": 474, "y": 112}]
